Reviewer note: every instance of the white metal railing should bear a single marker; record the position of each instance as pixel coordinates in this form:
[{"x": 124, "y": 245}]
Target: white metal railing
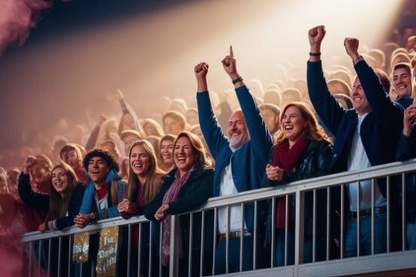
[{"x": 329, "y": 266}]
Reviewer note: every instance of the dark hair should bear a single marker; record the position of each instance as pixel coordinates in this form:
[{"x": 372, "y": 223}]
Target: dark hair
[
  {"x": 106, "y": 156},
  {"x": 70, "y": 147},
  {"x": 406, "y": 66}
]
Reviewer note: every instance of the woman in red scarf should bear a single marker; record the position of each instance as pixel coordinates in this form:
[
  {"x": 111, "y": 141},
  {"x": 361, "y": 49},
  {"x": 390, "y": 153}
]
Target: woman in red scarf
[{"x": 302, "y": 150}]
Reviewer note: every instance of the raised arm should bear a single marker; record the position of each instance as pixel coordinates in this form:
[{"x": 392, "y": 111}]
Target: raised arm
[
  {"x": 230, "y": 66},
  {"x": 351, "y": 47},
  {"x": 28, "y": 196},
  {"x": 210, "y": 127},
  {"x": 201, "y": 71},
  {"x": 316, "y": 36},
  {"x": 326, "y": 106},
  {"x": 261, "y": 139}
]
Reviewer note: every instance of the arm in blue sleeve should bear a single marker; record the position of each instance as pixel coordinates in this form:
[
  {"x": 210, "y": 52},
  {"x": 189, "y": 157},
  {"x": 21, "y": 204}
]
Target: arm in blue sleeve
[{"x": 86, "y": 205}]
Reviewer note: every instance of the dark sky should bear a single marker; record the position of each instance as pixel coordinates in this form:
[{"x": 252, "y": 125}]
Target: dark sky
[
  {"x": 39, "y": 81},
  {"x": 81, "y": 50}
]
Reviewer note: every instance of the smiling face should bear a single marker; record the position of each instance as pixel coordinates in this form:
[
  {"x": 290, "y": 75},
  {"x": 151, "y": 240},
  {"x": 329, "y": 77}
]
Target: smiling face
[
  {"x": 402, "y": 82},
  {"x": 98, "y": 170},
  {"x": 139, "y": 160},
  {"x": 184, "y": 155},
  {"x": 293, "y": 124},
  {"x": 166, "y": 151},
  {"x": 359, "y": 100},
  {"x": 237, "y": 130},
  {"x": 59, "y": 180}
]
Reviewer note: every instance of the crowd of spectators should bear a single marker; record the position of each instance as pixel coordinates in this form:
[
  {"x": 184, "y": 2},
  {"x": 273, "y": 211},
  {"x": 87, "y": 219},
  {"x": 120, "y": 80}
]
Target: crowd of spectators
[{"x": 129, "y": 165}]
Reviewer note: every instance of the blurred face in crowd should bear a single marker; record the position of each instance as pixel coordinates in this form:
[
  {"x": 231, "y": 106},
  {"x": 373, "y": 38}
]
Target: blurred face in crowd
[
  {"x": 166, "y": 151},
  {"x": 12, "y": 181},
  {"x": 402, "y": 82},
  {"x": 139, "y": 160},
  {"x": 192, "y": 117},
  {"x": 72, "y": 159},
  {"x": 150, "y": 130},
  {"x": 184, "y": 155},
  {"x": 128, "y": 122},
  {"x": 270, "y": 119},
  {"x": 3, "y": 187},
  {"x": 128, "y": 141},
  {"x": 172, "y": 126},
  {"x": 293, "y": 124},
  {"x": 197, "y": 131},
  {"x": 38, "y": 172},
  {"x": 59, "y": 180},
  {"x": 98, "y": 170},
  {"x": 237, "y": 130}
]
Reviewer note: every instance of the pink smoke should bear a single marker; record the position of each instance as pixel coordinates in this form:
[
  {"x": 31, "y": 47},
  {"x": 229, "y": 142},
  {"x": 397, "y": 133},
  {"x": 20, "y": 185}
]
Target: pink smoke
[{"x": 17, "y": 17}]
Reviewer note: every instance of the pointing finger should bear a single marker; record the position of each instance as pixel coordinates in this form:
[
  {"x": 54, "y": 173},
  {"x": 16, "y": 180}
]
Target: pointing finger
[{"x": 231, "y": 51}]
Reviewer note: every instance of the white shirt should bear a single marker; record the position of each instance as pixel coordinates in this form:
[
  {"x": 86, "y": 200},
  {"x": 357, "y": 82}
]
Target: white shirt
[
  {"x": 358, "y": 159},
  {"x": 227, "y": 187}
]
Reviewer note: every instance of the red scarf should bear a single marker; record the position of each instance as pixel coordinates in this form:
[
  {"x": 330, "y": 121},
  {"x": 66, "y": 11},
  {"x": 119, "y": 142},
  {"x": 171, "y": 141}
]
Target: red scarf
[
  {"x": 102, "y": 191},
  {"x": 288, "y": 158}
]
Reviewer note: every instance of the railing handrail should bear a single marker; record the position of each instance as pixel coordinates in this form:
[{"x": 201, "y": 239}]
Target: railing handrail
[{"x": 249, "y": 196}]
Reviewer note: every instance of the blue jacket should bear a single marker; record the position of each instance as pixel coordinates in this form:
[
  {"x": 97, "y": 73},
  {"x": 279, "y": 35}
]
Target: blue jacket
[
  {"x": 90, "y": 201},
  {"x": 248, "y": 163}
]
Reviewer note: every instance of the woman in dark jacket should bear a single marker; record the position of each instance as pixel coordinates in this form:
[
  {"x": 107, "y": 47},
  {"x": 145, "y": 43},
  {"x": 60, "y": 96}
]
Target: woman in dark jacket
[
  {"x": 63, "y": 205},
  {"x": 187, "y": 187},
  {"x": 302, "y": 150}
]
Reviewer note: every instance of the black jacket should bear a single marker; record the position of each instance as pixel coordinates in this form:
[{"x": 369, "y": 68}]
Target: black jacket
[{"x": 315, "y": 162}]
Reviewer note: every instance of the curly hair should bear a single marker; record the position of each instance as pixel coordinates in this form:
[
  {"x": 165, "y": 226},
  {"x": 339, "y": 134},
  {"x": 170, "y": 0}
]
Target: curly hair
[{"x": 106, "y": 156}]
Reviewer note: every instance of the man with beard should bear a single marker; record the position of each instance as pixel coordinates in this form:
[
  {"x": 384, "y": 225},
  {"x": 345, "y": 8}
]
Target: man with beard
[{"x": 240, "y": 162}]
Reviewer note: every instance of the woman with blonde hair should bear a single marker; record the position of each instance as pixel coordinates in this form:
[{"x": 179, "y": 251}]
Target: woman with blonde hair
[
  {"x": 144, "y": 182},
  {"x": 145, "y": 178},
  {"x": 152, "y": 128}
]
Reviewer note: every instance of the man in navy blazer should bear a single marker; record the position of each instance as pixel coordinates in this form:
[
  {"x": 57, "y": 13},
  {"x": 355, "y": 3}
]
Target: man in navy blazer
[{"x": 365, "y": 136}]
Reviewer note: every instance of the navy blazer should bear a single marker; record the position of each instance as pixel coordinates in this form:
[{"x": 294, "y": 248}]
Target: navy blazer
[{"x": 380, "y": 130}]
